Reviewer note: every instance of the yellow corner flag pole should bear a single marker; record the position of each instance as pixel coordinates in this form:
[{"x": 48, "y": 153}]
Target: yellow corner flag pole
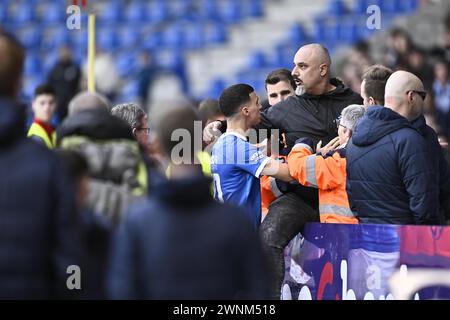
[{"x": 91, "y": 52}]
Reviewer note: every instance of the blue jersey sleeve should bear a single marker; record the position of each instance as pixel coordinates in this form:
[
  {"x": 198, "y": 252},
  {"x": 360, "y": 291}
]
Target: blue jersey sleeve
[{"x": 250, "y": 159}]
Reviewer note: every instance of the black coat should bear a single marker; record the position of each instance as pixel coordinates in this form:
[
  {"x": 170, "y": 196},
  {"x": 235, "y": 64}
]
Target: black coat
[
  {"x": 180, "y": 244},
  {"x": 36, "y": 214},
  {"x": 309, "y": 116},
  {"x": 390, "y": 173}
]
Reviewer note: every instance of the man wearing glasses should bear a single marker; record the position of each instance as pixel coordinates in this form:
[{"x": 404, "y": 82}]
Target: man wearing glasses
[{"x": 391, "y": 175}]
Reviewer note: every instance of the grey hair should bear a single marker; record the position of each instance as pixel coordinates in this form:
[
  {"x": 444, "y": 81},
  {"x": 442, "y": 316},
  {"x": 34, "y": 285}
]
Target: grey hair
[
  {"x": 129, "y": 112},
  {"x": 351, "y": 114}
]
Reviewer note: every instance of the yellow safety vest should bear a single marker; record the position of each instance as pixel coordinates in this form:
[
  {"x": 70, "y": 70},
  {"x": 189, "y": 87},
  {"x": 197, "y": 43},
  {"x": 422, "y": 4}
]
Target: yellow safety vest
[
  {"x": 205, "y": 162},
  {"x": 37, "y": 130}
]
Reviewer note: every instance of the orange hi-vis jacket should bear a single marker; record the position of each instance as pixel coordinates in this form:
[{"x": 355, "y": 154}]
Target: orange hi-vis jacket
[
  {"x": 269, "y": 188},
  {"x": 329, "y": 176}
]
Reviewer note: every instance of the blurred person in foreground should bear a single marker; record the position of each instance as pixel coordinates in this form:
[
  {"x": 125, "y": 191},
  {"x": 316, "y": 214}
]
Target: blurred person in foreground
[
  {"x": 116, "y": 166},
  {"x": 94, "y": 230},
  {"x": 209, "y": 111},
  {"x": 180, "y": 243},
  {"x": 37, "y": 201}
]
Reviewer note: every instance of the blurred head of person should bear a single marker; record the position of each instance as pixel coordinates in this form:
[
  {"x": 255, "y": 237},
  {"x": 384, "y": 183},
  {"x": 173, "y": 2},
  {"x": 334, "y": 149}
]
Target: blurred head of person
[
  {"x": 240, "y": 104},
  {"x": 12, "y": 60},
  {"x": 44, "y": 103},
  {"x": 405, "y": 94},
  {"x": 65, "y": 54},
  {"x": 373, "y": 84},
  {"x": 400, "y": 41},
  {"x": 136, "y": 118},
  {"x": 279, "y": 85},
  {"x": 441, "y": 69},
  {"x": 209, "y": 111},
  {"x": 416, "y": 57},
  {"x": 311, "y": 70},
  {"x": 175, "y": 135},
  {"x": 347, "y": 121},
  {"x": 87, "y": 101}
]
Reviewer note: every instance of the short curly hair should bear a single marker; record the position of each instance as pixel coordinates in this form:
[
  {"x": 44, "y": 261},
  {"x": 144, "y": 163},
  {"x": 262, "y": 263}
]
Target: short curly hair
[{"x": 129, "y": 112}]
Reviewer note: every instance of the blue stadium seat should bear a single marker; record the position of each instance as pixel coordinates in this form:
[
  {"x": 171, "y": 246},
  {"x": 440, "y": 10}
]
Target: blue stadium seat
[
  {"x": 3, "y": 14},
  {"x": 390, "y": 6},
  {"x": 136, "y": 12},
  {"x": 297, "y": 34},
  {"x": 79, "y": 39},
  {"x": 230, "y": 11},
  {"x": 216, "y": 33},
  {"x": 128, "y": 37},
  {"x": 130, "y": 91},
  {"x": 32, "y": 65},
  {"x": 174, "y": 36},
  {"x": 55, "y": 39},
  {"x": 113, "y": 13},
  {"x": 30, "y": 84},
  {"x": 126, "y": 63},
  {"x": 257, "y": 60},
  {"x": 319, "y": 31},
  {"x": 107, "y": 39},
  {"x": 216, "y": 88},
  {"x": 194, "y": 36},
  {"x": 361, "y": 7},
  {"x": 54, "y": 13},
  {"x": 152, "y": 41},
  {"x": 158, "y": 12},
  {"x": 408, "y": 5},
  {"x": 208, "y": 9},
  {"x": 179, "y": 8},
  {"x": 336, "y": 8},
  {"x": 348, "y": 31},
  {"x": 30, "y": 37},
  {"x": 24, "y": 13},
  {"x": 254, "y": 8}
]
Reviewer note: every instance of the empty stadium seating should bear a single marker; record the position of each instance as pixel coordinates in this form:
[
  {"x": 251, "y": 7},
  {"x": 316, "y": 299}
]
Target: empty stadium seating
[{"x": 125, "y": 28}]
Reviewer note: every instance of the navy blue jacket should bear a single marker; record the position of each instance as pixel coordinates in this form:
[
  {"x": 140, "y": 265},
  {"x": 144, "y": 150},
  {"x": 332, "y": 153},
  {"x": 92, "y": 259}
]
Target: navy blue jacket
[
  {"x": 436, "y": 155},
  {"x": 36, "y": 214},
  {"x": 390, "y": 178},
  {"x": 180, "y": 244}
]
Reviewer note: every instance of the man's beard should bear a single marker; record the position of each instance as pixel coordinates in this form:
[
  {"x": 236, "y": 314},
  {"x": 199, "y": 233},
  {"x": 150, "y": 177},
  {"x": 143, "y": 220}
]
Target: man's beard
[{"x": 299, "y": 90}]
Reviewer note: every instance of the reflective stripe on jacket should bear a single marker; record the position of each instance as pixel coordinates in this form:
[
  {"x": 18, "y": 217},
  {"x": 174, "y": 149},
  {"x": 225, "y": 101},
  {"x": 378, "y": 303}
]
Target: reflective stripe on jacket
[
  {"x": 269, "y": 188},
  {"x": 329, "y": 176},
  {"x": 37, "y": 130}
]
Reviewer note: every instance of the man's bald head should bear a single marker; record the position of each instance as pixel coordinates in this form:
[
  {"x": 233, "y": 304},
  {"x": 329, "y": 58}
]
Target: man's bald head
[
  {"x": 317, "y": 52},
  {"x": 87, "y": 100},
  {"x": 11, "y": 65},
  {"x": 403, "y": 94},
  {"x": 311, "y": 70}
]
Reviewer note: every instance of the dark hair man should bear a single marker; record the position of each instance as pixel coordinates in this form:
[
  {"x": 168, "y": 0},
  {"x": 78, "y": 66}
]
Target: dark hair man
[
  {"x": 44, "y": 105},
  {"x": 237, "y": 165},
  {"x": 279, "y": 85}
]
